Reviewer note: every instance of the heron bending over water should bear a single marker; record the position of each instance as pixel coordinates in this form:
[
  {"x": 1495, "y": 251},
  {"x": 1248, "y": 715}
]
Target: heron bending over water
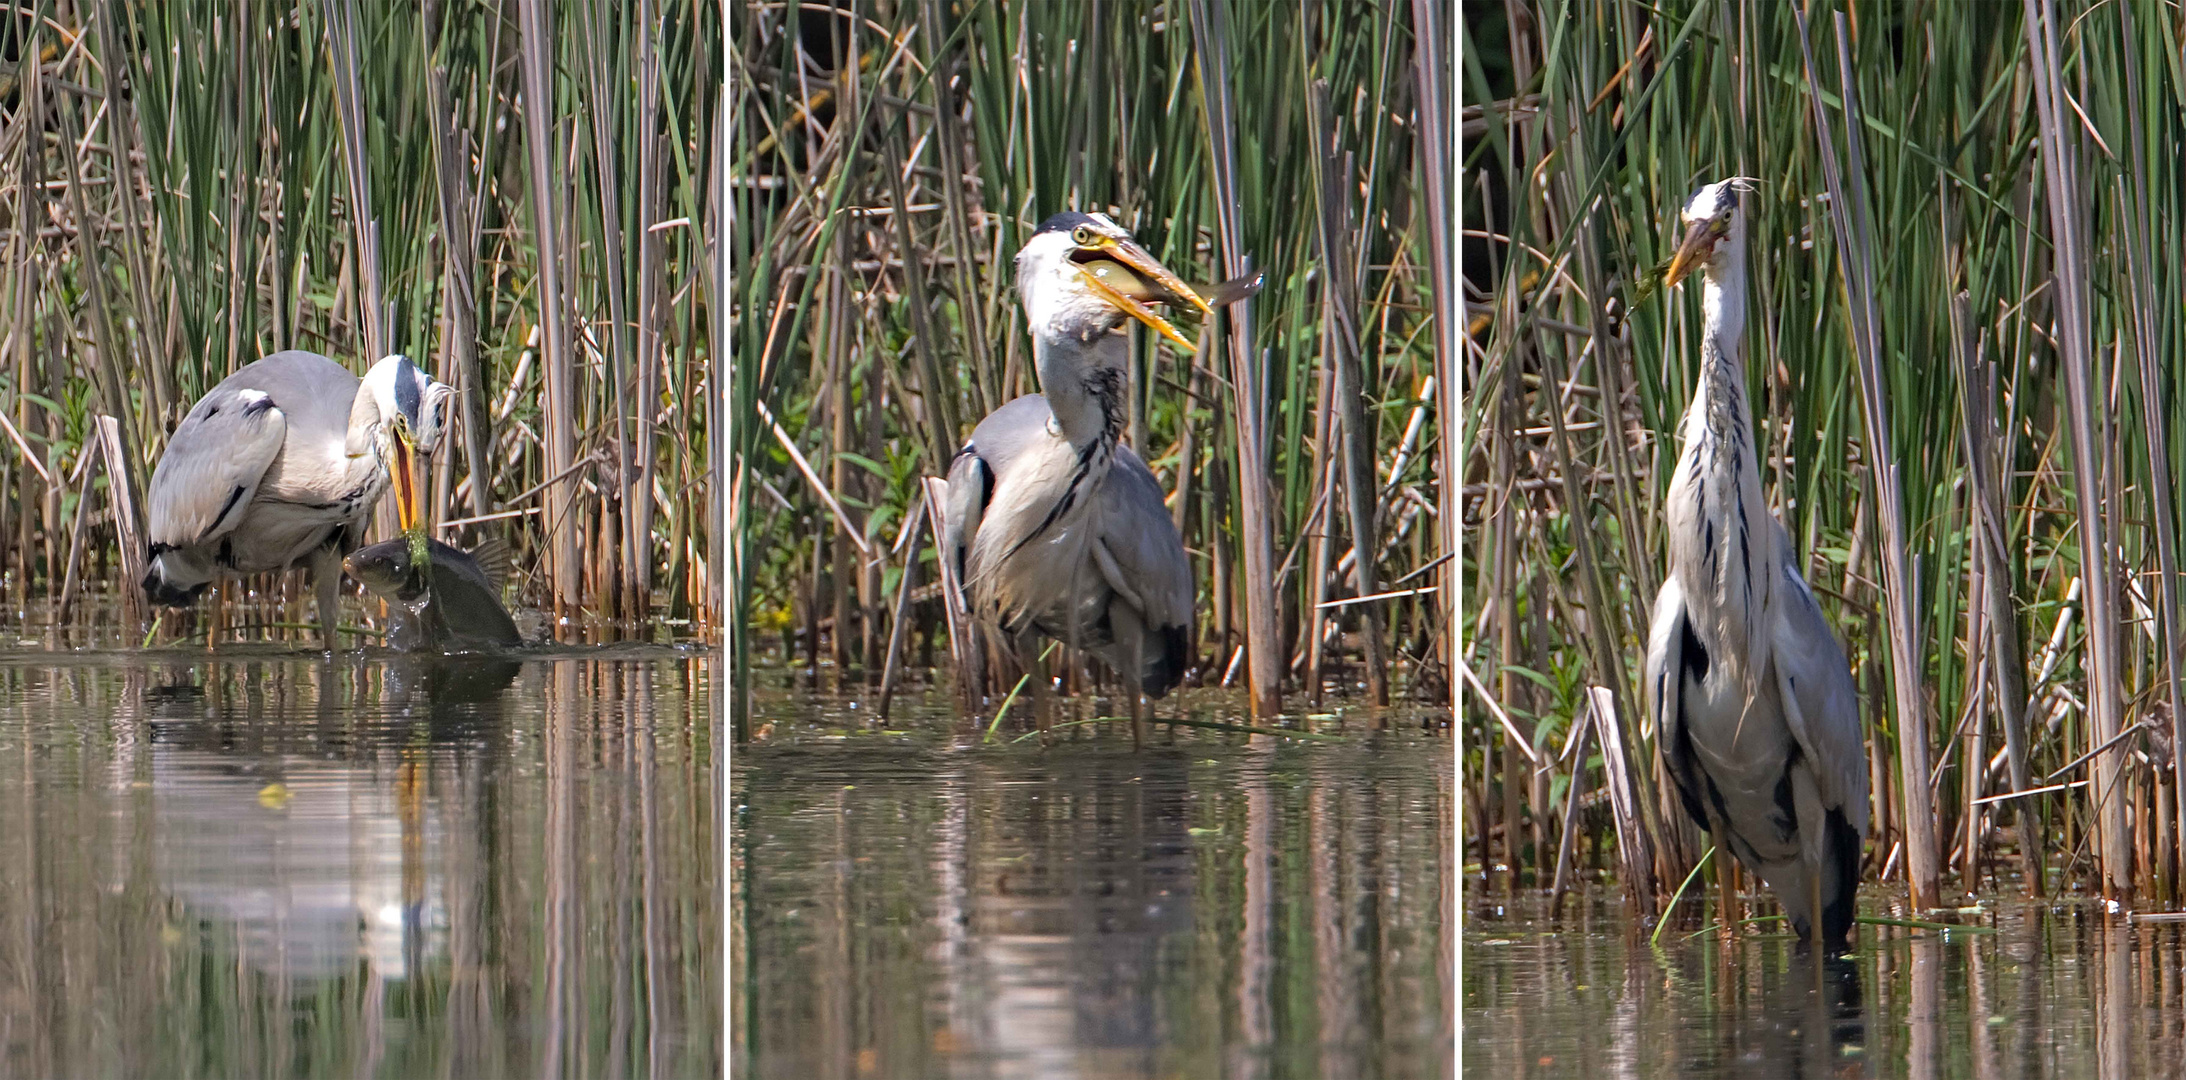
[
  {"x": 281, "y": 463},
  {"x": 1052, "y": 523},
  {"x": 1749, "y": 688}
]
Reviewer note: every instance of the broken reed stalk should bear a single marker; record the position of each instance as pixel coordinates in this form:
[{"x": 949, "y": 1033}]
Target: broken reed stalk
[
  {"x": 121, "y": 487},
  {"x": 914, "y": 526},
  {"x": 964, "y": 642},
  {"x": 1635, "y": 845},
  {"x": 1569, "y": 833}
]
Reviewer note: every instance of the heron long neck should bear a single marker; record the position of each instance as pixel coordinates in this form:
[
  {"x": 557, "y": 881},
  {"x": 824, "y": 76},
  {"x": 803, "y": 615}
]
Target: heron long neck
[
  {"x": 1086, "y": 383},
  {"x": 1720, "y": 403},
  {"x": 1723, "y": 540}
]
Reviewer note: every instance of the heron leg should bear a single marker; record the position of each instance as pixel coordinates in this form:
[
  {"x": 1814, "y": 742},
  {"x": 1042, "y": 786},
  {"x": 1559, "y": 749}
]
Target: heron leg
[
  {"x": 1138, "y": 716},
  {"x": 1815, "y": 940},
  {"x": 326, "y": 575},
  {"x": 1726, "y": 893},
  {"x": 220, "y": 612}
]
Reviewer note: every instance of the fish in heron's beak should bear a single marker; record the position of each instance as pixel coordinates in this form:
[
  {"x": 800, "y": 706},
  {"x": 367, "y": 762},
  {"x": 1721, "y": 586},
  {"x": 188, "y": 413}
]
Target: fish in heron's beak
[
  {"x": 452, "y": 597},
  {"x": 1128, "y": 277},
  {"x": 1698, "y": 247},
  {"x": 1223, "y": 294}
]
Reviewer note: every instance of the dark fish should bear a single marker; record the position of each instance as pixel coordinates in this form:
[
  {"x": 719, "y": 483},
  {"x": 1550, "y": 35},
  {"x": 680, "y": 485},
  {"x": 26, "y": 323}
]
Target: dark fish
[{"x": 461, "y": 610}]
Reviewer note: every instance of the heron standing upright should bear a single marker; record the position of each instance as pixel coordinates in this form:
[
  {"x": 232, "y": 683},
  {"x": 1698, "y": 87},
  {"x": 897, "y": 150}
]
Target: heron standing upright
[
  {"x": 1052, "y": 524},
  {"x": 282, "y": 463},
  {"x": 1752, "y": 699}
]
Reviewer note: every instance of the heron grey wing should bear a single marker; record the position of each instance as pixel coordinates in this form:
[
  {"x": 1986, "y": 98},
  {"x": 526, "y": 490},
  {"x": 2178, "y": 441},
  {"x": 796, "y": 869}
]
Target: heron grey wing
[
  {"x": 1823, "y": 707},
  {"x": 212, "y": 466},
  {"x": 314, "y": 391},
  {"x": 1140, "y": 552},
  {"x": 971, "y": 484},
  {"x": 1667, "y": 639},
  {"x": 1009, "y": 431},
  {"x": 988, "y": 456}
]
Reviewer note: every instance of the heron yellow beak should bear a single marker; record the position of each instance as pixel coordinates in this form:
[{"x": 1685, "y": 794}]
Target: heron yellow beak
[
  {"x": 1699, "y": 244},
  {"x": 409, "y": 480},
  {"x": 1127, "y": 276}
]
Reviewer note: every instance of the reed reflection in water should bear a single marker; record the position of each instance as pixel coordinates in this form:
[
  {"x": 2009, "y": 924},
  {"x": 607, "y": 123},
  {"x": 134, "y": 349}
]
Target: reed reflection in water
[
  {"x": 911, "y": 905},
  {"x": 2056, "y": 990},
  {"x": 275, "y": 864}
]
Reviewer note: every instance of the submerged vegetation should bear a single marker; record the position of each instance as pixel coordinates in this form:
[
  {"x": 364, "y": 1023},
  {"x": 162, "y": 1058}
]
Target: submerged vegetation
[
  {"x": 189, "y": 190},
  {"x": 1963, "y": 244},
  {"x": 886, "y": 168}
]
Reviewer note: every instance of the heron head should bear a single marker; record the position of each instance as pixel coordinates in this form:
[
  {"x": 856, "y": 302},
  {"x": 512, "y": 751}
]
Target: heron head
[
  {"x": 401, "y": 412},
  {"x": 1713, "y": 224},
  {"x": 1081, "y": 275}
]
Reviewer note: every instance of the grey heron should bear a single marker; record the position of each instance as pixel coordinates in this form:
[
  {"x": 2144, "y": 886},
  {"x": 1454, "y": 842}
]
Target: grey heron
[
  {"x": 282, "y": 463},
  {"x": 1751, "y": 696},
  {"x": 1052, "y": 524}
]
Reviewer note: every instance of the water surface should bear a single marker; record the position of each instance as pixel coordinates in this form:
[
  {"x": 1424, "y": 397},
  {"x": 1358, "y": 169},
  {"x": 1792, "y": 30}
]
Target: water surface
[
  {"x": 910, "y": 901},
  {"x": 268, "y": 862},
  {"x": 2058, "y": 989}
]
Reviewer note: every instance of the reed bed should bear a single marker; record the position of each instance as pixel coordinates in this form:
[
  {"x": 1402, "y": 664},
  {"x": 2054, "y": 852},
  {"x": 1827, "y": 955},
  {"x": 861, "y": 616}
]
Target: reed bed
[
  {"x": 1965, "y": 320},
  {"x": 188, "y": 189},
  {"x": 890, "y": 159}
]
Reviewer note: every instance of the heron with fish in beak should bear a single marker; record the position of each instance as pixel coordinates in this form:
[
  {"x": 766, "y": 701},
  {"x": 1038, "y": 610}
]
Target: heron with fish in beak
[
  {"x": 281, "y": 464},
  {"x": 1053, "y": 525}
]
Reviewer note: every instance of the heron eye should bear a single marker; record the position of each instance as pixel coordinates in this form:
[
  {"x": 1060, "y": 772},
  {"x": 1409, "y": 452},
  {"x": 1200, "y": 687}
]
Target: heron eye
[{"x": 1081, "y": 236}]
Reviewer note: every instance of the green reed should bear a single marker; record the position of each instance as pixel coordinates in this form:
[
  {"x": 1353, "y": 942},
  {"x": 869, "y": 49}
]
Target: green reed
[
  {"x": 887, "y": 168},
  {"x": 2007, "y": 276},
  {"x": 192, "y": 188}
]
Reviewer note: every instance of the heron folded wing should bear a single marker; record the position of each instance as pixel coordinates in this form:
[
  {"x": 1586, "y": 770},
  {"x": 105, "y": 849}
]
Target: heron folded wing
[
  {"x": 1821, "y": 705},
  {"x": 212, "y": 467},
  {"x": 1664, "y": 671},
  {"x": 970, "y": 484},
  {"x": 1139, "y": 550}
]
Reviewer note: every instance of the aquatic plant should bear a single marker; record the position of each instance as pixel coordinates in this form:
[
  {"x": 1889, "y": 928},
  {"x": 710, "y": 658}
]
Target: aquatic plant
[
  {"x": 885, "y": 170},
  {"x": 197, "y": 188},
  {"x": 1959, "y": 296}
]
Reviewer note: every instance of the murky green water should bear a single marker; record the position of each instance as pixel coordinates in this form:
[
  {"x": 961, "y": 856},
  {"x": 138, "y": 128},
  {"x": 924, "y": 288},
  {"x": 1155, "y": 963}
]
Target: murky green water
[
  {"x": 2057, "y": 990},
  {"x": 270, "y": 863},
  {"x": 910, "y": 902}
]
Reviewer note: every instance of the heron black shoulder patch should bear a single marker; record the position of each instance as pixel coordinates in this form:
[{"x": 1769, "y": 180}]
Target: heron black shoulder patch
[
  {"x": 1691, "y": 652},
  {"x": 233, "y": 497},
  {"x": 1786, "y": 815}
]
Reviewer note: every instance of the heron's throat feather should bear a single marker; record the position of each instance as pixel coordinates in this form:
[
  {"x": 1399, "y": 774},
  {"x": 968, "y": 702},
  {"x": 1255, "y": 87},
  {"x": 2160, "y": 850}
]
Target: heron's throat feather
[
  {"x": 1086, "y": 385},
  {"x": 1723, "y": 539},
  {"x": 1015, "y": 566}
]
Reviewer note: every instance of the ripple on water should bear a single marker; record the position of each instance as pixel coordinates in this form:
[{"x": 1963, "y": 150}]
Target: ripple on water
[
  {"x": 915, "y": 902},
  {"x": 266, "y": 862},
  {"x": 2053, "y": 990}
]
